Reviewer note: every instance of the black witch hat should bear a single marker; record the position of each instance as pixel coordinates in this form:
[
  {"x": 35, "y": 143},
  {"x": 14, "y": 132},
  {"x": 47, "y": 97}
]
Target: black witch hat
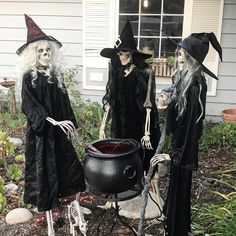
[
  {"x": 197, "y": 45},
  {"x": 35, "y": 34},
  {"x": 125, "y": 42}
]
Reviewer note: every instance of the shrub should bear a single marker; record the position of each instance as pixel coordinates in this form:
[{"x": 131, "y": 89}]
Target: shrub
[
  {"x": 15, "y": 173},
  {"x": 3, "y": 203},
  {"x": 6, "y": 147},
  {"x": 218, "y": 136},
  {"x": 2, "y": 186},
  {"x": 88, "y": 114}
]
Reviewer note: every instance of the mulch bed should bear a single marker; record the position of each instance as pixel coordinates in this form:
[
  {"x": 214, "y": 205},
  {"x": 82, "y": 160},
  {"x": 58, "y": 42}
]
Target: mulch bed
[{"x": 38, "y": 226}]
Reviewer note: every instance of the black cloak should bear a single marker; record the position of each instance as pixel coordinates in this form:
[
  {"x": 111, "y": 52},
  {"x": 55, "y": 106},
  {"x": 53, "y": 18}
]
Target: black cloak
[
  {"x": 186, "y": 133},
  {"x": 126, "y": 97},
  {"x": 52, "y": 169}
]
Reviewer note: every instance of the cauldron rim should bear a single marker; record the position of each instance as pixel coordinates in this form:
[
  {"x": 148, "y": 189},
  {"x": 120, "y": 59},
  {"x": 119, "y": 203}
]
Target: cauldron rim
[{"x": 91, "y": 153}]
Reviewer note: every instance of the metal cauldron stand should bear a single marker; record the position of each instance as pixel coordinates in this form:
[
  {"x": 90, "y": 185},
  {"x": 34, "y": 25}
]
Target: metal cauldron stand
[{"x": 115, "y": 198}]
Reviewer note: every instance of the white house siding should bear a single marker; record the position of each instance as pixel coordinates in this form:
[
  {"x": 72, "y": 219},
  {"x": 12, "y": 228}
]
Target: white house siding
[
  {"x": 59, "y": 18},
  {"x": 63, "y": 20},
  {"x": 226, "y": 88}
]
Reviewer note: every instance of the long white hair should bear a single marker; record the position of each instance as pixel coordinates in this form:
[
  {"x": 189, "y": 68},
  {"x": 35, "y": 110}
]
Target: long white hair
[
  {"x": 28, "y": 61},
  {"x": 184, "y": 78}
]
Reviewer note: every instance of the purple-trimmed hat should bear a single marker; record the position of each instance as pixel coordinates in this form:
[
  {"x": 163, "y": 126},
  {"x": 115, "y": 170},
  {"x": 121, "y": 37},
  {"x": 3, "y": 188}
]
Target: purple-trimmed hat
[{"x": 35, "y": 34}]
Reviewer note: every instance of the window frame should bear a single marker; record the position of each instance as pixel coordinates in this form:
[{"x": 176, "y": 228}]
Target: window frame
[{"x": 162, "y": 15}]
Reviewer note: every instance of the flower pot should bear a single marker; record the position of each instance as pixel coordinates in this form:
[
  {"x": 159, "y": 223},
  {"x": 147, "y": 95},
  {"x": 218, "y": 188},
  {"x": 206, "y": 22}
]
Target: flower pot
[{"x": 229, "y": 116}]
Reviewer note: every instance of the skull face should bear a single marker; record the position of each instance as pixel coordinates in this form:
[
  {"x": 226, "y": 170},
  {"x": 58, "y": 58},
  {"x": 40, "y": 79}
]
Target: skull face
[
  {"x": 181, "y": 58},
  {"x": 164, "y": 100},
  {"x": 125, "y": 57},
  {"x": 43, "y": 52}
]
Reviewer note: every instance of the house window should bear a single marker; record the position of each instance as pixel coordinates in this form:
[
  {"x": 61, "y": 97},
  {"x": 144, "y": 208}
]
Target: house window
[{"x": 152, "y": 21}]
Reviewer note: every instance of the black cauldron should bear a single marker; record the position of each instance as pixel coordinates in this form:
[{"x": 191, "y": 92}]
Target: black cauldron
[{"x": 113, "y": 165}]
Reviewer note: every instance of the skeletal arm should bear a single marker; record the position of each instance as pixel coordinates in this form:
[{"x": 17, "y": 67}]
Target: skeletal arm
[
  {"x": 102, "y": 134},
  {"x": 148, "y": 105}
]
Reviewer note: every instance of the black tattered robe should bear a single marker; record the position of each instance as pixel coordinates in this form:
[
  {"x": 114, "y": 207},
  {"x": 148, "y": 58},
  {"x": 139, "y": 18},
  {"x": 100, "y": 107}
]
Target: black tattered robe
[
  {"x": 128, "y": 115},
  {"x": 184, "y": 158},
  {"x": 52, "y": 169}
]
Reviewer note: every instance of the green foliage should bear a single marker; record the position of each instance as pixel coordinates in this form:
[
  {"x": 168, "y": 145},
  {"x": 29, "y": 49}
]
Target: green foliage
[
  {"x": 7, "y": 148},
  {"x": 218, "y": 219},
  {"x": 20, "y": 158},
  {"x": 170, "y": 61},
  {"x": 15, "y": 173},
  {"x": 6, "y": 118},
  {"x": 70, "y": 74},
  {"x": 2, "y": 186},
  {"x": 218, "y": 136},
  {"x": 3, "y": 203},
  {"x": 88, "y": 114}
]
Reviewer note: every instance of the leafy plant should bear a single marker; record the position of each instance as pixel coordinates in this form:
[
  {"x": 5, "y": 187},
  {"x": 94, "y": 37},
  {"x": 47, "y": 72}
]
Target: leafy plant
[
  {"x": 2, "y": 186},
  {"x": 6, "y": 147},
  {"x": 15, "y": 173},
  {"x": 88, "y": 114},
  {"x": 6, "y": 119},
  {"x": 20, "y": 158},
  {"x": 170, "y": 61},
  {"x": 218, "y": 219},
  {"x": 218, "y": 136},
  {"x": 3, "y": 203}
]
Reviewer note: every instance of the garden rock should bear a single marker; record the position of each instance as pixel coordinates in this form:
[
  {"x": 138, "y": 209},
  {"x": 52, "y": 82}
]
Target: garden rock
[
  {"x": 131, "y": 208},
  {"x": 16, "y": 141},
  {"x": 18, "y": 215},
  {"x": 86, "y": 211},
  {"x": 11, "y": 187}
]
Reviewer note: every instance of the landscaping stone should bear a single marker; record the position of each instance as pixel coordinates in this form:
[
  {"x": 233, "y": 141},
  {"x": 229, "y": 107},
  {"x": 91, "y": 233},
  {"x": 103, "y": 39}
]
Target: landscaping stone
[
  {"x": 18, "y": 215},
  {"x": 16, "y": 141},
  {"x": 11, "y": 187},
  {"x": 131, "y": 208}
]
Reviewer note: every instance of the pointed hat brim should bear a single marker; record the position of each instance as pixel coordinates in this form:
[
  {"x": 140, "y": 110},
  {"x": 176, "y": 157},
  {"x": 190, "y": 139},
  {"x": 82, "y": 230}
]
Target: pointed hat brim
[
  {"x": 47, "y": 37},
  {"x": 111, "y": 52}
]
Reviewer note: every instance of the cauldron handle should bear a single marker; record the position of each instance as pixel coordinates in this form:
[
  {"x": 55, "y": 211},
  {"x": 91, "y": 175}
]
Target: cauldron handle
[{"x": 129, "y": 172}]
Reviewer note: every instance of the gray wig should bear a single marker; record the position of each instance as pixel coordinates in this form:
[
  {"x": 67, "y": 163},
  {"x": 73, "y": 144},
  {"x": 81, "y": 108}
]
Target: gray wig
[{"x": 184, "y": 78}]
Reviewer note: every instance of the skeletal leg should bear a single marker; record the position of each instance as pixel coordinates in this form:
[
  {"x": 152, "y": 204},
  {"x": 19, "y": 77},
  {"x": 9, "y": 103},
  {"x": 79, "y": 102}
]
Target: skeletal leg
[
  {"x": 78, "y": 215},
  {"x": 51, "y": 231},
  {"x": 72, "y": 229}
]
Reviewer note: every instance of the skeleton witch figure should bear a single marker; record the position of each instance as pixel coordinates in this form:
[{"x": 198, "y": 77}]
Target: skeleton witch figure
[
  {"x": 130, "y": 95},
  {"x": 185, "y": 116},
  {"x": 52, "y": 169}
]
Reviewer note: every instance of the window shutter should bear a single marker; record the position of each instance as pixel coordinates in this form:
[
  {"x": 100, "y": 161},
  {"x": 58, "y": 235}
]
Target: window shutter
[
  {"x": 207, "y": 17},
  {"x": 98, "y": 33}
]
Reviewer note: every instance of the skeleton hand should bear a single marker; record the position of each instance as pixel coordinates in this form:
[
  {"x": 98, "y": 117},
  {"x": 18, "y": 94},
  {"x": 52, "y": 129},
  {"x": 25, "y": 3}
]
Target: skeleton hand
[
  {"x": 159, "y": 158},
  {"x": 145, "y": 141},
  {"x": 67, "y": 126}
]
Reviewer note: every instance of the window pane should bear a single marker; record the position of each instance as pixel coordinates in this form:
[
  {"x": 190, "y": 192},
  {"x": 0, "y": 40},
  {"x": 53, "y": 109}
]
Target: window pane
[
  {"x": 168, "y": 47},
  {"x": 150, "y": 25},
  {"x": 150, "y": 44},
  {"x": 172, "y": 25},
  {"x": 129, "y": 6},
  {"x": 133, "y": 21},
  {"x": 150, "y": 6},
  {"x": 174, "y": 6}
]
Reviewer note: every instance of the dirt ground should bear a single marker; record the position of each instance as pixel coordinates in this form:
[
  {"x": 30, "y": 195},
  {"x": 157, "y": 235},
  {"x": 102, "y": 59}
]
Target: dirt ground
[{"x": 202, "y": 180}]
